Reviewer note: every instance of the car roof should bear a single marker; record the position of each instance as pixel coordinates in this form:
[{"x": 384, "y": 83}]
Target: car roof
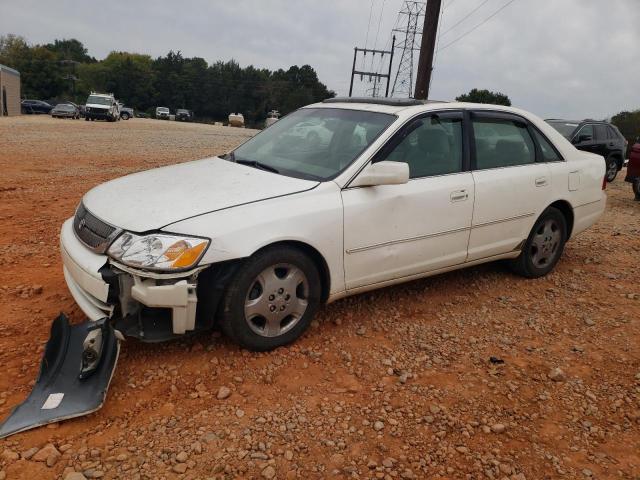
[
  {"x": 578, "y": 122},
  {"x": 406, "y": 107}
]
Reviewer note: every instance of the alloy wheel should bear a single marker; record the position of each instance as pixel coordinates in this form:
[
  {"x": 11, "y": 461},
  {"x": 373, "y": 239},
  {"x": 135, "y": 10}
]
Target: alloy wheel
[
  {"x": 546, "y": 241},
  {"x": 277, "y": 299}
]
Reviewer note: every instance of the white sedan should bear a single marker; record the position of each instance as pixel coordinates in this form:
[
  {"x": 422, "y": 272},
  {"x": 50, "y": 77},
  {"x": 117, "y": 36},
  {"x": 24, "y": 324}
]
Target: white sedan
[{"x": 258, "y": 239}]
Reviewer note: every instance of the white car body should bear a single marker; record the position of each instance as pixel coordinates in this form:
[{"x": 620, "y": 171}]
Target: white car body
[{"x": 364, "y": 237}]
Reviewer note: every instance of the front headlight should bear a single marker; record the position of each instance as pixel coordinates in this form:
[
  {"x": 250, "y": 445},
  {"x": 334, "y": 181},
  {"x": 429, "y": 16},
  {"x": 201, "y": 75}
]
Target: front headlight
[{"x": 158, "y": 251}]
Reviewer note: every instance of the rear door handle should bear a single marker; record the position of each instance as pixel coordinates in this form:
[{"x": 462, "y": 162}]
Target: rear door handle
[
  {"x": 459, "y": 196},
  {"x": 541, "y": 181}
]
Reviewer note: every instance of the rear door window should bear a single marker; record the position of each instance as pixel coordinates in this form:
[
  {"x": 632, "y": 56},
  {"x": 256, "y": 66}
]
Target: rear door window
[
  {"x": 502, "y": 143},
  {"x": 549, "y": 152},
  {"x": 601, "y": 132}
]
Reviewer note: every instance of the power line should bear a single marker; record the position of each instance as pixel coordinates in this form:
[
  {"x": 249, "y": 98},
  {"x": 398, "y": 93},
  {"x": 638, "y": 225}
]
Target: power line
[
  {"x": 366, "y": 39},
  {"x": 478, "y": 25},
  {"x": 465, "y": 17},
  {"x": 435, "y": 55}
]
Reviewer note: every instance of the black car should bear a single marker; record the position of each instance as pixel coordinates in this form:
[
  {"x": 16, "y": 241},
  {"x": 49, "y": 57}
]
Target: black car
[
  {"x": 597, "y": 137},
  {"x": 183, "y": 115},
  {"x": 35, "y": 106}
]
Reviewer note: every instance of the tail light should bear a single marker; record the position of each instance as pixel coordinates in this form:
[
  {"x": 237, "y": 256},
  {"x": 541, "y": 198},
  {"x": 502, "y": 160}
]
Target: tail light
[{"x": 604, "y": 182}]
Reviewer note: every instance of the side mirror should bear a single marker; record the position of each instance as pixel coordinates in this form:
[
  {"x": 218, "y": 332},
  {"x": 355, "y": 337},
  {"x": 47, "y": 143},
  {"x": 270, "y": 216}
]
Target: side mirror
[
  {"x": 583, "y": 138},
  {"x": 382, "y": 173}
]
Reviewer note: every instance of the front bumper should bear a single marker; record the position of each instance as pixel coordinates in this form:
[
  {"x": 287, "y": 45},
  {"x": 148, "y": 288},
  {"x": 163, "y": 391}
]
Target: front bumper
[
  {"x": 102, "y": 288},
  {"x": 97, "y": 113}
]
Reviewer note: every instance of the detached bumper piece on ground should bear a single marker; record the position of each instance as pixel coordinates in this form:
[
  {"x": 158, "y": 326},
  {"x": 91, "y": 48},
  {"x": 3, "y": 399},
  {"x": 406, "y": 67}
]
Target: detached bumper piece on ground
[{"x": 76, "y": 369}]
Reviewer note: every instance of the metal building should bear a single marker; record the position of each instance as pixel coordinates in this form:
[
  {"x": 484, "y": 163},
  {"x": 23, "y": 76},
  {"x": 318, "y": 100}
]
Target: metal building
[{"x": 9, "y": 91}]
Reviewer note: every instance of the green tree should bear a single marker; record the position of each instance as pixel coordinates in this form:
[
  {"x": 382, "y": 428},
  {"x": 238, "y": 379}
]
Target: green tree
[
  {"x": 485, "y": 96},
  {"x": 13, "y": 50},
  {"x": 64, "y": 69},
  {"x": 629, "y": 125},
  {"x": 70, "y": 49}
]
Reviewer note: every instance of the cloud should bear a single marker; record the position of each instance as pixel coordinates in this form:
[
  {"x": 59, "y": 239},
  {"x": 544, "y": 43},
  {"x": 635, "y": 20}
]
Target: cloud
[{"x": 569, "y": 58}]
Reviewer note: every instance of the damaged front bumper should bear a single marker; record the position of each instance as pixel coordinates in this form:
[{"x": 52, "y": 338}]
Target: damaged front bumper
[
  {"x": 79, "y": 360},
  {"x": 146, "y": 305},
  {"x": 75, "y": 373}
]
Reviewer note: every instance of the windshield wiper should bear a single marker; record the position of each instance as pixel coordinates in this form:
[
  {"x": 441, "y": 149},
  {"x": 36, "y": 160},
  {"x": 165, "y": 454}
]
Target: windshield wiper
[{"x": 260, "y": 165}]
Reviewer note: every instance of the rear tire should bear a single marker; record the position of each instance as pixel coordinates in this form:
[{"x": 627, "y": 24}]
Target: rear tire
[
  {"x": 544, "y": 246},
  {"x": 272, "y": 299},
  {"x": 124, "y": 116},
  {"x": 612, "y": 169}
]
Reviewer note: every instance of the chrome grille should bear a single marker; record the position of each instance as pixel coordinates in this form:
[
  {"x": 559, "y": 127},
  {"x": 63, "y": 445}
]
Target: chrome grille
[{"x": 92, "y": 231}]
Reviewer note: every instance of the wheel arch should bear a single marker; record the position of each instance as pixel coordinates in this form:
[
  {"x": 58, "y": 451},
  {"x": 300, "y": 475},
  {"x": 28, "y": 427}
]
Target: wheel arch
[
  {"x": 567, "y": 211},
  {"x": 617, "y": 155},
  {"x": 316, "y": 257}
]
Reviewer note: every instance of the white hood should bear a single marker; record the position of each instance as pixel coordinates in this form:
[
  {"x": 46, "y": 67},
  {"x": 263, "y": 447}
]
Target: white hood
[{"x": 156, "y": 198}]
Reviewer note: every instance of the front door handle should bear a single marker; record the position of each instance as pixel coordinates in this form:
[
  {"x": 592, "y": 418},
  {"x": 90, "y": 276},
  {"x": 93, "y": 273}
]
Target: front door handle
[
  {"x": 541, "y": 181},
  {"x": 459, "y": 196}
]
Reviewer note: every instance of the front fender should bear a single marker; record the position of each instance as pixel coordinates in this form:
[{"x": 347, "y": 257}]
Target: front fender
[{"x": 313, "y": 217}]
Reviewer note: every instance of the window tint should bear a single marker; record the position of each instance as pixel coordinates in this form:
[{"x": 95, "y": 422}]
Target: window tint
[
  {"x": 612, "y": 133},
  {"x": 601, "y": 132},
  {"x": 586, "y": 130},
  {"x": 502, "y": 143},
  {"x": 549, "y": 153},
  {"x": 434, "y": 147}
]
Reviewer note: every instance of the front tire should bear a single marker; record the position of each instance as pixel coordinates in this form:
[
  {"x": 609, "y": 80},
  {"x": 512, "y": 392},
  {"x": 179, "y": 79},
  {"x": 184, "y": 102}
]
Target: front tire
[
  {"x": 612, "y": 169},
  {"x": 272, "y": 299},
  {"x": 544, "y": 246}
]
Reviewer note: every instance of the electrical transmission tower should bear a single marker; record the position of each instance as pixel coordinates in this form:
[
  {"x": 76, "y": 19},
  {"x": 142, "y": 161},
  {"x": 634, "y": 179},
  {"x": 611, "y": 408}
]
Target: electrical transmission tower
[{"x": 410, "y": 16}]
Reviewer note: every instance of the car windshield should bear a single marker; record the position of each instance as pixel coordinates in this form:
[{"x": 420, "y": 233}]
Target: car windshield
[
  {"x": 96, "y": 100},
  {"x": 65, "y": 107},
  {"x": 162, "y": 109},
  {"x": 182, "y": 111},
  {"x": 566, "y": 129},
  {"x": 314, "y": 143}
]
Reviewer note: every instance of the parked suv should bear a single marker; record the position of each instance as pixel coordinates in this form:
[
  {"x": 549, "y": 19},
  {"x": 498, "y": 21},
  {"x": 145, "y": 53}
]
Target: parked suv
[
  {"x": 162, "y": 113},
  {"x": 597, "y": 137},
  {"x": 183, "y": 115},
  {"x": 102, "y": 106},
  {"x": 126, "y": 112},
  {"x": 633, "y": 169}
]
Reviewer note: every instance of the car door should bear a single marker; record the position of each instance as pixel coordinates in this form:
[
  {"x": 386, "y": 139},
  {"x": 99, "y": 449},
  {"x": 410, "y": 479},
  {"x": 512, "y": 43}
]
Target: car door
[
  {"x": 585, "y": 139},
  {"x": 604, "y": 145},
  {"x": 511, "y": 187},
  {"x": 397, "y": 231}
]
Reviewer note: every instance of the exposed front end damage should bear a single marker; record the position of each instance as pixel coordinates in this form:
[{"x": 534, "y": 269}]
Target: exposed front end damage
[
  {"x": 79, "y": 360},
  {"x": 147, "y": 305}
]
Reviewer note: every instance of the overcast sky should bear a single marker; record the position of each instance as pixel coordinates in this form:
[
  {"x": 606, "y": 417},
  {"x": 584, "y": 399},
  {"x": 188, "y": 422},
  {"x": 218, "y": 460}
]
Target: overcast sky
[{"x": 559, "y": 58}]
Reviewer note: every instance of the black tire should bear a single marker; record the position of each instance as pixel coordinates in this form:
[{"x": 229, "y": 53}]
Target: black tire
[
  {"x": 530, "y": 263},
  {"x": 636, "y": 187},
  {"x": 233, "y": 320},
  {"x": 612, "y": 169},
  {"x": 124, "y": 116}
]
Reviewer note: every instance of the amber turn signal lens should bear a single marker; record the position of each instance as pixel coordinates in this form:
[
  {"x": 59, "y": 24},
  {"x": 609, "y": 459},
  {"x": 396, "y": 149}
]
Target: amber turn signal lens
[{"x": 189, "y": 256}]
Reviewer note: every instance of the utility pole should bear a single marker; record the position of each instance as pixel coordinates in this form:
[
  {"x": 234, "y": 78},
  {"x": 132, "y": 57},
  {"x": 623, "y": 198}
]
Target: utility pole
[{"x": 427, "y": 49}]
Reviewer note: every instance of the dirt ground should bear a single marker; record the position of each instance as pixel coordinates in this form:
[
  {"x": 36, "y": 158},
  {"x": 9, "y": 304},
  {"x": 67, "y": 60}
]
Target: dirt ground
[{"x": 395, "y": 384}]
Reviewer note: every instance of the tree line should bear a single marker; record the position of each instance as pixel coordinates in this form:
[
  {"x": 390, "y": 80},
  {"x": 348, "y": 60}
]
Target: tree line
[{"x": 64, "y": 70}]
